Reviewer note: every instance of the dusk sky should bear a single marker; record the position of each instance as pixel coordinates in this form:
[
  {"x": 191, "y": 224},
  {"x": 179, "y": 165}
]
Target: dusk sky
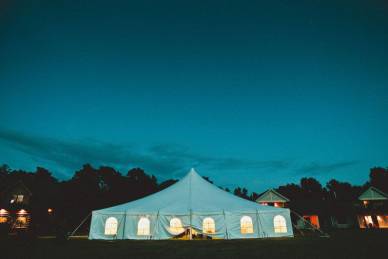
[{"x": 250, "y": 93}]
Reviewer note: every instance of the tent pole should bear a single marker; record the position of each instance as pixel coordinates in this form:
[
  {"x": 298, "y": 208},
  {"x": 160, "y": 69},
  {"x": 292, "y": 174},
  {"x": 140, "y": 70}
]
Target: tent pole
[
  {"x": 156, "y": 225},
  {"x": 191, "y": 228},
  {"x": 257, "y": 224},
  {"x": 226, "y": 225},
  {"x": 125, "y": 219},
  {"x": 82, "y": 222},
  {"x": 191, "y": 223}
]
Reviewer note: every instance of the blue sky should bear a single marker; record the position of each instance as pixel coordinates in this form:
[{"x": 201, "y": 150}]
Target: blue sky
[{"x": 250, "y": 93}]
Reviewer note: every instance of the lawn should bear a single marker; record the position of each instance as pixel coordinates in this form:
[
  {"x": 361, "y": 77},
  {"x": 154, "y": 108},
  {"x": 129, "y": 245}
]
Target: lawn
[{"x": 341, "y": 244}]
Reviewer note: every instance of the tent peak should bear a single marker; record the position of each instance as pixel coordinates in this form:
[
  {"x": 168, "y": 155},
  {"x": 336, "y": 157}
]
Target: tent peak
[
  {"x": 192, "y": 174},
  {"x": 192, "y": 171}
]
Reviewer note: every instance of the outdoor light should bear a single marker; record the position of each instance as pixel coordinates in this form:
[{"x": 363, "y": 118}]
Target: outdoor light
[
  {"x": 3, "y": 212},
  {"x": 22, "y": 212},
  {"x": 49, "y": 210}
]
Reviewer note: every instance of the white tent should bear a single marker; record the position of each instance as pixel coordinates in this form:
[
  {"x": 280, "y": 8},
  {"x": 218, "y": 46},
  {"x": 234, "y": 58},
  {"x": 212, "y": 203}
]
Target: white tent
[{"x": 195, "y": 204}]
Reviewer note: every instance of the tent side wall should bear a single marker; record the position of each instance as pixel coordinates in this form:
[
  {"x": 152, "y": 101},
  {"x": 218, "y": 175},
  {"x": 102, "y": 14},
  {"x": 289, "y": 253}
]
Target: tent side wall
[
  {"x": 98, "y": 226},
  {"x": 227, "y": 225},
  {"x": 233, "y": 222},
  {"x": 267, "y": 224}
]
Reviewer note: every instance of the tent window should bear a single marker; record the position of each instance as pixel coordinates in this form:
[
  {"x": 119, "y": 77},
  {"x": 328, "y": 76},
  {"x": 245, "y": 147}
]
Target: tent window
[
  {"x": 111, "y": 226},
  {"x": 246, "y": 225},
  {"x": 176, "y": 226},
  {"x": 208, "y": 226},
  {"x": 279, "y": 223},
  {"x": 143, "y": 227}
]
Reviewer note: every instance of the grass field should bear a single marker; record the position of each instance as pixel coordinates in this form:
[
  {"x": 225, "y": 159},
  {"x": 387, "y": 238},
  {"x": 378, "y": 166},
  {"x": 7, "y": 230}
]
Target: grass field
[{"x": 341, "y": 244}]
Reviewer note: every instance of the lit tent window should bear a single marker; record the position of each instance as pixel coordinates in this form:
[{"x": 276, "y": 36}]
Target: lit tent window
[
  {"x": 209, "y": 226},
  {"x": 246, "y": 225},
  {"x": 279, "y": 223},
  {"x": 111, "y": 226},
  {"x": 176, "y": 226},
  {"x": 143, "y": 227}
]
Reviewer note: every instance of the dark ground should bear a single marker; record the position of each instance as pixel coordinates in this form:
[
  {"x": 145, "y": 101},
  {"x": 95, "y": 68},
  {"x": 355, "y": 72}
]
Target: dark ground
[{"x": 341, "y": 244}]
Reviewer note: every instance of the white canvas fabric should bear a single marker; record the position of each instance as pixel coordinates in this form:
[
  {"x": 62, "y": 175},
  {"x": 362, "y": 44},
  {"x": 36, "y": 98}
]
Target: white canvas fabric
[{"x": 191, "y": 200}]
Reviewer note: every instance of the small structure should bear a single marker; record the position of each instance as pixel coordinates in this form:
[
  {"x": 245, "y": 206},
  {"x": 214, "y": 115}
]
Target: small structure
[
  {"x": 275, "y": 199},
  {"x": 312, "y": 219},
  {"x": 373, "y": 210},
  {"x": 272, "y": 198},
  {"x": 15, "y": 206}
]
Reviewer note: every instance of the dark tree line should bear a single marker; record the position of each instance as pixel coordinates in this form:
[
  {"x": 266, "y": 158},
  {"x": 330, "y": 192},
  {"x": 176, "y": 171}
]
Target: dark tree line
[
  {"x": 93, "y": 188},
  {"x": 312, "y": 189},
  {"x": 89, "y": 189}
]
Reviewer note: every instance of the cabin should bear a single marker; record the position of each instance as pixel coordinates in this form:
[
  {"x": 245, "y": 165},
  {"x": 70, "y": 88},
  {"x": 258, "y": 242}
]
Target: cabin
[
  {"x": 372, "y": 209},
  {"x": 15, "y": 207}
]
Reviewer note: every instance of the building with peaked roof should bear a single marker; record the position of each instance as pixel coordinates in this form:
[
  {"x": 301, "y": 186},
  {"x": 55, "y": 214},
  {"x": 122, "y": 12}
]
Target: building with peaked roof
[
  {"x": 193, "y": 206},
  {"x": 272, "y": 198},
  {"x": 373, "y": 194},
  {"x": 16, "y": 195},
  {"x": 15, "y": 206},
  {"x": 373, "y": 210}
]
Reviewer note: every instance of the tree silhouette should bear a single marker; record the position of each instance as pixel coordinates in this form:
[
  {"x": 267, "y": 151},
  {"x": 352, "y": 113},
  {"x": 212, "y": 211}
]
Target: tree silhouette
[
  {"x": 378, "y": 178},
  {"x": 93, "y": 188}
]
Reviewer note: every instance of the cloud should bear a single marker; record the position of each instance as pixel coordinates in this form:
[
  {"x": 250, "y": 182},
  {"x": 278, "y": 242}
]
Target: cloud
[
  {"x": 315, "y": 168},
  {"x": 176, "y": 152},
  {"x": 165, "y": 159}
]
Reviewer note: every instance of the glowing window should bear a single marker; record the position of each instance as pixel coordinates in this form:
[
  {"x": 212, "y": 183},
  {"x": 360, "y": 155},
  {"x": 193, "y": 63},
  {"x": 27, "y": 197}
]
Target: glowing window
[
  {"x": 111, "y": 226},
  {"x": 176, "y": 226},
  {"x": 368, "y": 220},
  {"x": 21, "y": 212},
  {"x": 383, "y": 221},
  {"x": 18, "y": 198},
  {"x": 143, "y": 227},
  {"x": 21, "y": 222},
  {"x": 3, "y": 216},
  {"x": 279, "y": 223},
  {"x": 208, "y": 226},
  {"x": 246, "y": 225}
]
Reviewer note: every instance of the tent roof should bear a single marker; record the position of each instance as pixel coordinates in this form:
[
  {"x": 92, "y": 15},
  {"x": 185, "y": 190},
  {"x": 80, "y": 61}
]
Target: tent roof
[
  {"x": 373, "y": 194},
  {"x": 192, "y": 194},
  {"x": 272, "y": 196}
]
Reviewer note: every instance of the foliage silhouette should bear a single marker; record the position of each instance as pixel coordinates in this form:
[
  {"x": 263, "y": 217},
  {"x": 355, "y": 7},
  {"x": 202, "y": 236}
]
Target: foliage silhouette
[{"x": 93, "y": 188}]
